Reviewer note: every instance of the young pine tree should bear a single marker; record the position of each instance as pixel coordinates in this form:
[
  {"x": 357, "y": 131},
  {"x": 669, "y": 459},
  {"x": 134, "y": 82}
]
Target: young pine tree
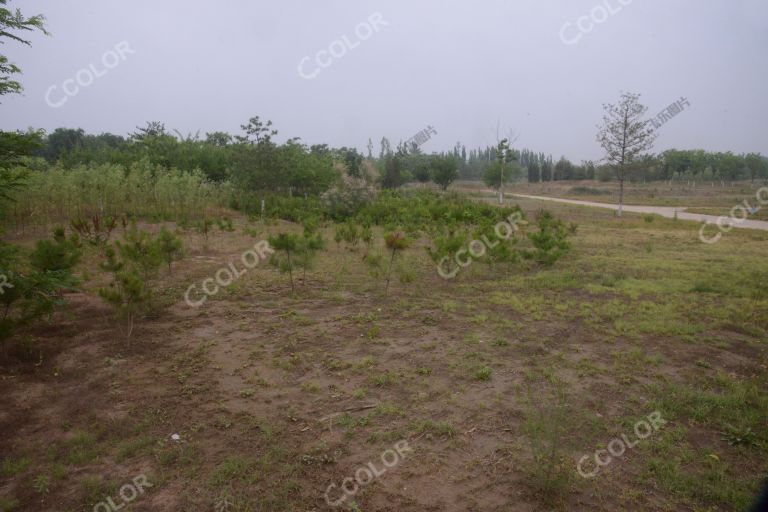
[
  {"x": 309, "y": 246},
  {"x": 170, "y": 247},
  {"x": 128, "y": 292},
  {"x": 395, "y": 241},
  {"x": 285, "y": 245}
]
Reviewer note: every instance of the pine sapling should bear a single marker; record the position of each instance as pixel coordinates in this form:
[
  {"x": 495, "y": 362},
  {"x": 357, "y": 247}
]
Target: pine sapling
[
  {"x": 170, "y": 247},
  {"x": 286, "y": 243}
]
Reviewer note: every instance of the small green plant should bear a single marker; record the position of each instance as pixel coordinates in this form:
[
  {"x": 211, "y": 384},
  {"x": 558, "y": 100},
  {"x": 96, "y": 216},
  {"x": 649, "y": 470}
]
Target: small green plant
[
  {"x": 366, "y": 234},
  {"x": 500, "y": 342},
  {"x": 348, "y": 233},
  {"x": 549, "y": 472},
  {"x": 42, "y": 484},
  {"x": 140, "y": 256},
  {"x": 30, "y": 295},
  {"x": 59, "y": 255},
  {"x": 395, "y": 241},
  {"x": 482, "y": 373},
  {"x": 497, "y": 250},
  {"x": 170, "y": 247},
  {"x": 225, "y": 224},
  {"x": 310, "y": 244},
  {"x": 128, "y": 292},
  {"x": 739, "y": 436},
  {"x": 550, "y": 241},
  {"x": 140, "y": 251},
  {"x": 374, "y": 261},
  {"x": 8, "y": 504},
  {"x": 445, "y": 247},
  {"x": 287, "y": 244}
]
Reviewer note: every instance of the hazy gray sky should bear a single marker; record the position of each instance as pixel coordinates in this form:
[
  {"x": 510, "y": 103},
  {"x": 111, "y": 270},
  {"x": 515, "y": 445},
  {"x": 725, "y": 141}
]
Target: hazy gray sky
[{"x": 458, "y": 66}]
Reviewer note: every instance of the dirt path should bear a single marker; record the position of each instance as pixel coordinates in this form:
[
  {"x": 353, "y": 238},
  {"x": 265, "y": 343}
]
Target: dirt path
[{"x": 664, "y": 211}]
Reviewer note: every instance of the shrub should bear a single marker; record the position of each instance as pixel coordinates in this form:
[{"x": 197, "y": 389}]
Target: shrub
[
  {"x": 57, "y": 255},
  {"x": 288, "y": 244},
  {"x": 170, "y": 247},
  {"x": 225, "y": 224},
  {"x": 139, "y": 258},
  {"x": 128, "y": 292},
  {"x": 497, "y": 250},
  {"x": 395, "y": 241},
  {"x": 445, "y": 247},
  {"x": 547, "y": 414},
  {"x": 346, "y": 199},
  {"x": 309, "y": 245},
  {"x": 550, "y": 241},
  {"x": 348, "y": 233},
  {"x": 140, "y": 251},
  {"x": 28, "y": 296}
]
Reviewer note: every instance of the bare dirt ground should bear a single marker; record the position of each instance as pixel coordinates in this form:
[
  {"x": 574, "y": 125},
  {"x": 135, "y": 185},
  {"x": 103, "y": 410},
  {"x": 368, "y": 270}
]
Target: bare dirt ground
[{"x": 498, "y": 381}]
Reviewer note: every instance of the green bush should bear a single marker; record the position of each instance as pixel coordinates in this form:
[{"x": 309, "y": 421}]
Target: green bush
[
  {"x": 140, "y": 256},
  {"x": 128, "y": 292},
  {"x": 59, "y": 254},
  {"x": 285, "y": 244},
  {"x": 31, "y": 295},
  {"x": 550, "y": 241},
  {"x": 170, "y": 247}
]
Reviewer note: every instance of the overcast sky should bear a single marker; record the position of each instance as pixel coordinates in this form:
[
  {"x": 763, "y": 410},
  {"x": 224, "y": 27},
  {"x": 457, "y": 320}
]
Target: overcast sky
[{"x": 461, "y": 67}]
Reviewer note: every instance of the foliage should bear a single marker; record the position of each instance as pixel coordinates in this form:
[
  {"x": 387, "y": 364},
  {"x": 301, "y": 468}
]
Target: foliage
[
  {"x": 12, "y": 22},
  {"x": 310, "y": 244},
  {"x": 140, "y": 251},
  {"x": 550, "y": 241},
  {"x": 170, "y": 247},
  {"x": 348, "y": 233},
  {"x": 504, "y": 168},
  {"x": 14, "y": 147},
  {"x": 128, "y": 292},
  {"x": 287, "y": 244},
  {"x": 140, "y": 191},
  {"x": 496, "y": 174},
  {"x": 58, "y": 255},
  {"x": 133, "y": 265},
  {"x": 258, "y": 164},
  {"x": 347, "y": 198},
  {"x": 445, "y": 244},
  {"x": 497, "y": 250},
  {"x": 225, "y": 224},
  {"x": 547, "y": 416},
  {"x": 443, "y": 170},
  {"x": 366, "y": 234},
  {"x": 394, "y": 241},
  {"x": 392, "y": 175},
  {"x": 29, "y": 296}
]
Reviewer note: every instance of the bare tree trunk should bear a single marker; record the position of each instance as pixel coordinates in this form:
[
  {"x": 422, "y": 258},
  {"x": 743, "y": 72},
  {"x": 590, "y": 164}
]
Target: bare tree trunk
[
  {"x": 621, "y": 196},
  {"x": 389, "y": 271}
]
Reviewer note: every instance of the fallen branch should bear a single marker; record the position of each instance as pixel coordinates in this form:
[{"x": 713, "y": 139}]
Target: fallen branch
[{"x": 349, "y": 409}]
